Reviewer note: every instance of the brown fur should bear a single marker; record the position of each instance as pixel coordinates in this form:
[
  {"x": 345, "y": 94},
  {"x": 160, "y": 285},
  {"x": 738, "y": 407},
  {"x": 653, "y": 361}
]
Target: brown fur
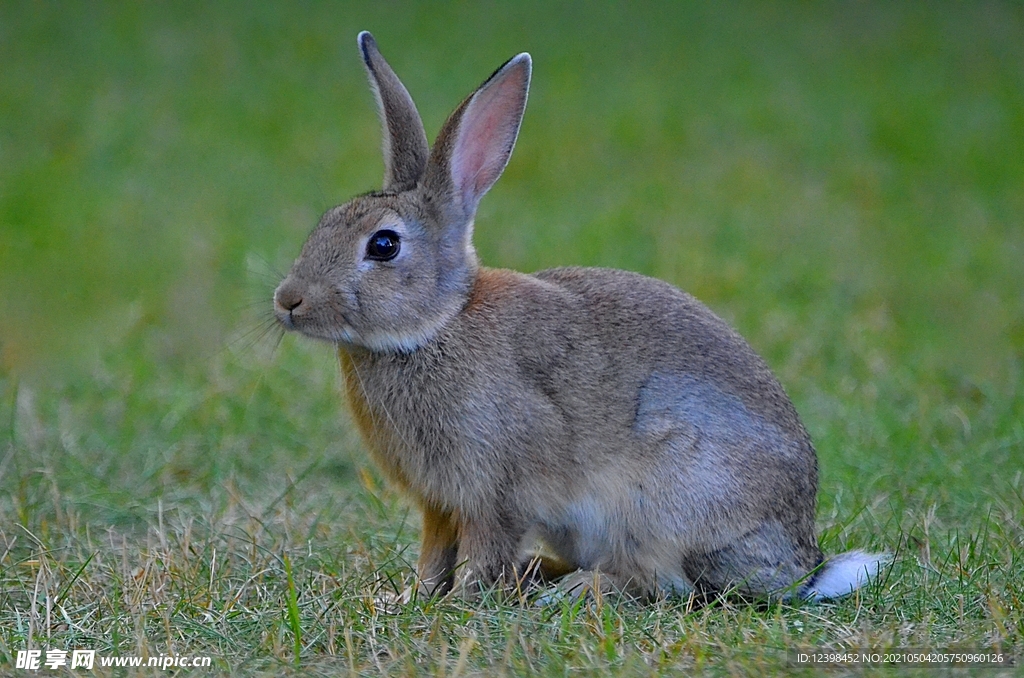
[{"x": 606, "y": 416}]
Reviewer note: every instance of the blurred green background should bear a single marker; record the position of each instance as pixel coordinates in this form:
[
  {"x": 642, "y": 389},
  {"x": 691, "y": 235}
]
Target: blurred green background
[{"x": 781, "y": 161}]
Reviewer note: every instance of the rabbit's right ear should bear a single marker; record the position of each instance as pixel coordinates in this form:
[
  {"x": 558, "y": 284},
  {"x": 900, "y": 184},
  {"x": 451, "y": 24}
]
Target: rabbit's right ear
[
  {"x": 476, "y": 141},
  {"x": 405, "y": 142}
]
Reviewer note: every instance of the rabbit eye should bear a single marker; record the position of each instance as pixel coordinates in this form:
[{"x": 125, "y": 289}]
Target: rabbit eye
[{"x": 383, "y": 246}]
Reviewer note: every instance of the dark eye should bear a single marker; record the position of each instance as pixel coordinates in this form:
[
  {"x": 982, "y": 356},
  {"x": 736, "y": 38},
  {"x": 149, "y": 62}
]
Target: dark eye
[{"x": 383, "y": 246}]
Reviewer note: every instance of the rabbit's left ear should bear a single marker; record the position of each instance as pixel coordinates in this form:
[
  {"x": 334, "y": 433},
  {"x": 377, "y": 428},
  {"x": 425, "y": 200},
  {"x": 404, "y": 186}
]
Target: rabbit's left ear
[
  {"x": 476, "y": 141},
  {"x": 405, "y": 142}
]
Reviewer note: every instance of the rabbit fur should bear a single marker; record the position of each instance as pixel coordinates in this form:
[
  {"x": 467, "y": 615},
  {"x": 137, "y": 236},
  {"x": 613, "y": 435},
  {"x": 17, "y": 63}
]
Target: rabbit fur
[{"x": 606, "y": 416}]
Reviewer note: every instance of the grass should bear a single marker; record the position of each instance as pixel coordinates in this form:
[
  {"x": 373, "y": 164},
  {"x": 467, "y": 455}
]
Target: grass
[{"x": 842, "y": 182}]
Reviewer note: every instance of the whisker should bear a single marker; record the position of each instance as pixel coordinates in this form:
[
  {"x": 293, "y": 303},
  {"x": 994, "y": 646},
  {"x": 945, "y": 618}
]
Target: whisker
[
  {"x": 280, "y": 338},
  {"x": 247, "y": 338},
  {"x": 255, "y": 303},
  {"x": 265, "y": 268}
]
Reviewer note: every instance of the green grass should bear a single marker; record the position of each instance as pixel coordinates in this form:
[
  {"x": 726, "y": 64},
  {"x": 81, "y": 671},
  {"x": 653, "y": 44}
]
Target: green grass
[{"x": 842, "y": 182}]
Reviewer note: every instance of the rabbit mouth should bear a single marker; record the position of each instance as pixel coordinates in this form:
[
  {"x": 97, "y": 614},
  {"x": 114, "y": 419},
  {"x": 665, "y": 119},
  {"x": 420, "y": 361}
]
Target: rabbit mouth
[
  {"x": 344, "y": 333},
  {"x": 313, "y": 310},
  {"x": 337, "y": 330}
]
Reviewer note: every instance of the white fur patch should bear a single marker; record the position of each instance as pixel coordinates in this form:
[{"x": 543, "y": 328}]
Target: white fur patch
[
  {"x": 587, "y": 520},
  {"x": 845, "y": 573},
  {"x": 401, "y": 341}
]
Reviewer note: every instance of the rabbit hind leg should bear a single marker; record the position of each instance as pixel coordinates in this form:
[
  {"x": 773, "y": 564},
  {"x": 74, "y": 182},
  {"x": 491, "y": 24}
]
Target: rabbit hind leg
[
  {"x": 764, "y": 562},
  {"x": 597, "y": 584}
]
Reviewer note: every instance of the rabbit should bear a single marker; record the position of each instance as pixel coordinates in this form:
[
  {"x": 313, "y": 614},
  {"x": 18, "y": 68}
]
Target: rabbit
[{"x": 605, "y": 416}]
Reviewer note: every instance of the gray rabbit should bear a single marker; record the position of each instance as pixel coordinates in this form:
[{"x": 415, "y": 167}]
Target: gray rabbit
[{"x": 606, "y": 416}]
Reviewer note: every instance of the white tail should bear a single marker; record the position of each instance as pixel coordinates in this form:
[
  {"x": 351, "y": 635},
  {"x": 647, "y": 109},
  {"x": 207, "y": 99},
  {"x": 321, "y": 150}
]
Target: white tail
[{"x": 845, "y": 573}]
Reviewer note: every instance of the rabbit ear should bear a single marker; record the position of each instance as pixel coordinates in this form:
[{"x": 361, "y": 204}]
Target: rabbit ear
[
  {"x": 476, "y": 141},
  {"x": 405, "y": 142}
]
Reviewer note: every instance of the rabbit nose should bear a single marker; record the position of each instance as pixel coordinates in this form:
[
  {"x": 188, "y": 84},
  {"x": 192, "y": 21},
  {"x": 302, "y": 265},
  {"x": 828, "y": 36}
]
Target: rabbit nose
[{"x": 287, "y": 298}]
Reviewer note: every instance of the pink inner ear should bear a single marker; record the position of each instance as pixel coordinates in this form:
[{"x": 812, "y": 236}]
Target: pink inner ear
[
  {"x": 487, "y": 133},
  {"x": 475, "y": 157}
]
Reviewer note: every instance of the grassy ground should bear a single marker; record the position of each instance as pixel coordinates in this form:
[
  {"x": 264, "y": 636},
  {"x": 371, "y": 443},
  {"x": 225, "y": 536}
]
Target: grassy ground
[{"x": 842, "y": 182}]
